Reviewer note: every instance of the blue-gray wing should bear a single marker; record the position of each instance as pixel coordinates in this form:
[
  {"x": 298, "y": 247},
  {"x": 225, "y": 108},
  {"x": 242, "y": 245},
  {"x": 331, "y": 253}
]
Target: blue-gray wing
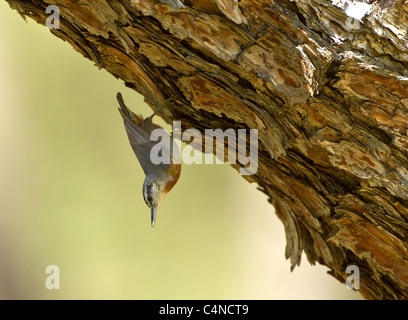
[{"x": 142, "y": 146}]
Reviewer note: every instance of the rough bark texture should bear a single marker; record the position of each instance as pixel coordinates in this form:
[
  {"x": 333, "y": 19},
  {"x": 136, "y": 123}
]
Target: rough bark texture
[{"x": 328, "y": 94}]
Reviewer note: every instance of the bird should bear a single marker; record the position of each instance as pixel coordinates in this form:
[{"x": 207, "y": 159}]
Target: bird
[{"x": 160, "y": 178}]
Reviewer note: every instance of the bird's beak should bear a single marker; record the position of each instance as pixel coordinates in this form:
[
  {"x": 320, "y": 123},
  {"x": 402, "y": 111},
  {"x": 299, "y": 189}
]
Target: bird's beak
[{"x": 154, "y": 212}]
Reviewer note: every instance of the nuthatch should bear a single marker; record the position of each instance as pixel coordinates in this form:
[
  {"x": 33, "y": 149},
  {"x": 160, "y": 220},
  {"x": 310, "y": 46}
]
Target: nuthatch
[{"x": 160, "y": 178}]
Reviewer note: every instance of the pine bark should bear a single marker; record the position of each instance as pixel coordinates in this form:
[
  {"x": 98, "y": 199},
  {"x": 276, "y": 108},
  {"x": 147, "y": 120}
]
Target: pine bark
[{"x": 327, "y": 93}]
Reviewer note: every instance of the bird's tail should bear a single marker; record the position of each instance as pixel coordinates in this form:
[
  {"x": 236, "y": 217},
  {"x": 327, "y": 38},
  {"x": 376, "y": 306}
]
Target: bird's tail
[{"x": 126, "y": 113}]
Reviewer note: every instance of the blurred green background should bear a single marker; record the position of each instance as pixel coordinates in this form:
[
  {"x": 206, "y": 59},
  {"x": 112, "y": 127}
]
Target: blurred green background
[{"x": 71, "y": 196}]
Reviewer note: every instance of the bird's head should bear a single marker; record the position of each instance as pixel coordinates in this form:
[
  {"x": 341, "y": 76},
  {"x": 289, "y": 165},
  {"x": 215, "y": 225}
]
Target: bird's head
[{"x": 154, "y": 191}]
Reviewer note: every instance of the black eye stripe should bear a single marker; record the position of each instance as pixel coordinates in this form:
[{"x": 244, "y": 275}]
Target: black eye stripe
[{"x": 148, "y": 198}]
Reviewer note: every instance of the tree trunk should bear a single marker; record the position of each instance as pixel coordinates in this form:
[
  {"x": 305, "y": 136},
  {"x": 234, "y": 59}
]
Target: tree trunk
[{"x": 328, "y": 94}]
